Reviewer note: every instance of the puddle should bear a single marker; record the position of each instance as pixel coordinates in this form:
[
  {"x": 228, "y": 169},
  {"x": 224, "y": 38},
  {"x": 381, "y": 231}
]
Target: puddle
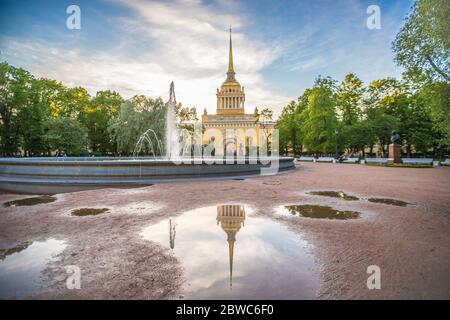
[
  {"x": 334, "y": 194},
  {"x": 272, "y": 183},
  {"x": 20, "y": 270},
  {"x": 392, "y": 202},
  {"x": 314, "y": 211},
  {"x": 227, "y": 253},
  {"x": 30, "y": 201},
  {"x": 6, "y": 252},
  {"x": 88, "y": 212}
]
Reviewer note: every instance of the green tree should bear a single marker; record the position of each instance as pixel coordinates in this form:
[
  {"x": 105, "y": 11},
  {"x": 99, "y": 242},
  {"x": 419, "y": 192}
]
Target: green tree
[
  {"x": 320, "y": 121},
  {"x": 349, "y": 97},
  {"x": 32, "y": 118},
  {"x": 385, "y": 104},
  {"x": 52, "y": 94},
  {"x": 358, "y": 137},
  {"x": 286, "y": 127},
  {"x": 265, "y": 117},
  {"x": 135, "y": 117},
  {"x": 75, "y": 103},
  {"x": 67, "y": 135},
  {"x": 381, "y": 126},
  {"x": 103, "y": 107},
  {"x": 290, "y": 124},
  {"x": 435, "y": 98},
  {"x": 15, "y": 84},
  {"x": 423, "y": 44},
  {"x": 186, "y": 117}
]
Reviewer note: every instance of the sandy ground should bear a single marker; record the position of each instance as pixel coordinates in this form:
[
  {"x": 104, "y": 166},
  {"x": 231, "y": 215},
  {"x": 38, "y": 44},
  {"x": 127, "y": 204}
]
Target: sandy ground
[{"x": 411, "y": 245}]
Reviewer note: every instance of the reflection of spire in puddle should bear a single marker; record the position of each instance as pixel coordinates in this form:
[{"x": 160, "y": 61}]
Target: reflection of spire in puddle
[
  {"x": 231, "y": 219},
  {"x": 172, "y": 233}
]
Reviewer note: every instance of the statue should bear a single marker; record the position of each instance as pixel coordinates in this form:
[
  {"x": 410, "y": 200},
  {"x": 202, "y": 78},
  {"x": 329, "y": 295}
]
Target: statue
[
  {"x": 394, "y": 148},
  {"x": 172, "y": 93},
  {"x": 395, "y": 137}
]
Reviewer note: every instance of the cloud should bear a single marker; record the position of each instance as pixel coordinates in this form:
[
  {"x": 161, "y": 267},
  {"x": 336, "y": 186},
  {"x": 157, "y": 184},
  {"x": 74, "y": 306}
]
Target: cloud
[
  {"x": 279, "y": 48},
  {"x": 182, "y": 41}
]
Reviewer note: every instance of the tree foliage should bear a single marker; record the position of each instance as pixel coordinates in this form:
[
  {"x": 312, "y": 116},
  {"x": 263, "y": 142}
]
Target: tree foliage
[
  {"x": 423, "y": 44},
  {"x": 136, "y": 117},
  {"x": 320, "y": 118},
  {"x": 66, "y": 134},
  {"x": 353, "y": 118}
]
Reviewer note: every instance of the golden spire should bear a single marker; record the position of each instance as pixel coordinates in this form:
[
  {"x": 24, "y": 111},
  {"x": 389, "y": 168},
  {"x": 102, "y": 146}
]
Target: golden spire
[
  {"x": 230, "y": 72},
  {"x": 230, "y": 56},
  {"x": 230, "y": 259},
  {"x": 231, "y": 218}
]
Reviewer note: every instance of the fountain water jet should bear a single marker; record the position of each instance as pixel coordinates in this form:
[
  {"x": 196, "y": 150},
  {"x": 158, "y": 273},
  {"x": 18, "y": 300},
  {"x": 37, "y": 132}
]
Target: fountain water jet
[
  {"x": 146, "y": 137},
  {"x": 172, "y": 140}
]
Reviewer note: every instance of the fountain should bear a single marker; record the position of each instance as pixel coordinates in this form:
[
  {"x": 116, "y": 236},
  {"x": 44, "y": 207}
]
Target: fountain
[
  {"x": 172, "y": 147},
  {"x": 49, "y": 175},
  {"x": 148, "y": 136},
  {"x": 172, "y": 142}
]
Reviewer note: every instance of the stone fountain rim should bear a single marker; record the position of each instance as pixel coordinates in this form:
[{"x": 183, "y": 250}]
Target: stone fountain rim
[{"x": 86, "y": 161}]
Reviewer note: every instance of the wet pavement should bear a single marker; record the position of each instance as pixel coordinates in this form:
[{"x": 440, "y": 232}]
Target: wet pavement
[{"x": 21, "y": 267}]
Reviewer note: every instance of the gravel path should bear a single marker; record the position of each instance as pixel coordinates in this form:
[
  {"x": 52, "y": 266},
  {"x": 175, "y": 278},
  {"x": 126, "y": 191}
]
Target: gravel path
[{"x": 411, "y": 244}]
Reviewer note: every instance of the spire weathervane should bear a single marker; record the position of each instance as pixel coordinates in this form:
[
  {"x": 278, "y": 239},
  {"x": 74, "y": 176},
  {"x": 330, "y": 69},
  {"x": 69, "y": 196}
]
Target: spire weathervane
[{"x": 230, "y": 55}]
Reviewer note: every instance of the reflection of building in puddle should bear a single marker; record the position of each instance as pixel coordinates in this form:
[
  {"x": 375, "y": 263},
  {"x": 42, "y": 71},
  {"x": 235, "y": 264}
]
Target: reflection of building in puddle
[
  {"x": 172, "y": 233},
  {"x": 231, "y": 219}
]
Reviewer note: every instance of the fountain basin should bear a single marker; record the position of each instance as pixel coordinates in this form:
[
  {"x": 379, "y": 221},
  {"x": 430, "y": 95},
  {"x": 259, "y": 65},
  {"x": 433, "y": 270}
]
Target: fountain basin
[{"x": 59, "y": 175}]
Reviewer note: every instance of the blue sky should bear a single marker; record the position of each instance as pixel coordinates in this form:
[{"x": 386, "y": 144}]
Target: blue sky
[{"x": 139, "y": 46}]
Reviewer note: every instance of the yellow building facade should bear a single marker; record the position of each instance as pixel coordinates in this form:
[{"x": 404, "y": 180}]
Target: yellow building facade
[{"x": 231, "y": 129}]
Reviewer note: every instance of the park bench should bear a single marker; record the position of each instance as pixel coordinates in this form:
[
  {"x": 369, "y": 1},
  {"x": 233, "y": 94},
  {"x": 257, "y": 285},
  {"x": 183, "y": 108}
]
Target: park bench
[
  {"x": 417, "y": 160},
  {"x": 325, "y": 159},
  {"x": 446, "y": 162},
  {"x": 302, "y": 158},
  {"x": 377, "y": 160},
  {"x": 351, "y": 160}
]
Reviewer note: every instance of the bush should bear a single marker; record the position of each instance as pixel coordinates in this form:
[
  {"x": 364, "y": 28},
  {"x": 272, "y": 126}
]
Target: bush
[{"x": 66, "y": 134}]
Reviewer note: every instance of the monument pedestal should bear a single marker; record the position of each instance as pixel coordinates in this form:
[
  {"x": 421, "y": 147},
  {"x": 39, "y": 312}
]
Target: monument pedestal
[{"x": 394, "y": 153}]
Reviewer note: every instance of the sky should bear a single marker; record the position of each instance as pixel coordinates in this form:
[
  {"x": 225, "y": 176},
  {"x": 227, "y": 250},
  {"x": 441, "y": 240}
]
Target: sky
[{"x": 140, "y": 46}]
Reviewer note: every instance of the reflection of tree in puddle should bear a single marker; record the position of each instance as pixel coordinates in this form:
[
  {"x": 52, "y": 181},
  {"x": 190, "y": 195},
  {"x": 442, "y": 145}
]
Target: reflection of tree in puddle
[
  {"x": 6, "y": 252},
  {"x": 321, "y": 212},
  {"x": 30, "y": 201}
]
